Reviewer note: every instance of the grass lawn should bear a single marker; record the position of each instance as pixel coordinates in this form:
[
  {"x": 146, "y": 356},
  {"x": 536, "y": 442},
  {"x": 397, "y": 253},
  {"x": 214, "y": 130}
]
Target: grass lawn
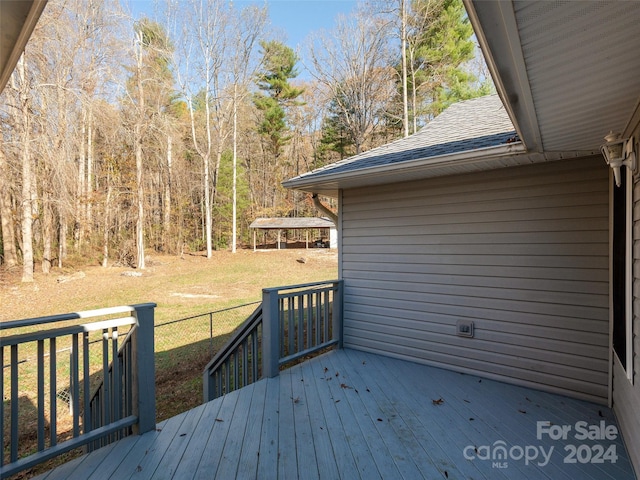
[{"x": 181, "y": 287}]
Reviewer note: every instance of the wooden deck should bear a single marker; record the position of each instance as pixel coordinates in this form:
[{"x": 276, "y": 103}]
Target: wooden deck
[{"x": 351, "y": 414}]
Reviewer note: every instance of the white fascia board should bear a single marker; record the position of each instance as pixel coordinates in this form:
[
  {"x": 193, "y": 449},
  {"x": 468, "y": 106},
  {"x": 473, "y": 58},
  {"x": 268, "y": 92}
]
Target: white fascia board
[
  {"x": 497, "y": 32},
  {"x": 18, "y": 18},
  {"x": 313, "y": 183}
]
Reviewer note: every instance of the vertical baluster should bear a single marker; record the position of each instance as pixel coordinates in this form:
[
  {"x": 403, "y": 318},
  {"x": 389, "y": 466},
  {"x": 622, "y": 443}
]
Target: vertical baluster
[
  {"x": 106, "y": 386},
  {"x": 53, "y": 390},
  {"x": 325, "y": 315},
  {"x": 236, "y": 373},
  {"x": 282, "y": 323},
  {"x": 227, "y": 383},
  {"x": 2, "y": 406},
  {"x": 291, "y": 309},
  {"x": 318, "y": 318},
  {"x": 121, "y": 396},
  {"x": 40, "y": 362},
  {"x": 256, "y": 352},
  {"x": 218, "y": 384},
  {"x": 75, "y": 394},
  {"x": 299, "y": 299},
  {"x": 115, "y": 375},
  {"x": 129, "y": 382},
  {"x": 251, "y": 357},
  {"x": 14, "y": 404},
  {"x": 245, "y": 362},
  {"x": 310, "y": 320},
  {"x": 86, "y": 387}
]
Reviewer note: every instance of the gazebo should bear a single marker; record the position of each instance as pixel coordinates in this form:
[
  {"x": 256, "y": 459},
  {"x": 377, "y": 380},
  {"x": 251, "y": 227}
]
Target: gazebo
[{"x": 293, "y": 223}]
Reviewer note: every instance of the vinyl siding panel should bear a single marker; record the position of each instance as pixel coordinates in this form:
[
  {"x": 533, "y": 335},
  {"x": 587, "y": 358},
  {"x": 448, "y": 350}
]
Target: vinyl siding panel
[{"x": 521, "y": 252}]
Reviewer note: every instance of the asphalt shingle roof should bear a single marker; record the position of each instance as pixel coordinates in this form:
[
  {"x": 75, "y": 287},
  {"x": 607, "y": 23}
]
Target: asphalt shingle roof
[{"x": 464, "y": 126}]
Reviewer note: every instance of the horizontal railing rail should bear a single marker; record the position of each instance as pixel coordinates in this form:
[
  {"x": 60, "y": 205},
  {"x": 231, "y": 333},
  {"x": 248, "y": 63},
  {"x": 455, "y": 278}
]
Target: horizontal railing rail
[
  {"x": 126, "y": 368},
  {"x": 291, "y": 323}
]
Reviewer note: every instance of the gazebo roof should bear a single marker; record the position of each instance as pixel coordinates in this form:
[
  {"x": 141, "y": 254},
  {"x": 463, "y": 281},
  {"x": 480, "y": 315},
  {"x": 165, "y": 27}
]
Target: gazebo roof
[{"x": 289, "y": 223}]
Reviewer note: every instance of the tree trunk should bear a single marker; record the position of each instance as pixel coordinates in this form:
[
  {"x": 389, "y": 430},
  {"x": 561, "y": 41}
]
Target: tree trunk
[
  {"x": 80, "y": 187},
  {"x": 27, "y": 211},
  {"x": 138, "y": 152},
  {"x": 47, "y": 232},
  {"x": 414, "y": 95},
  {"x": 89, "y": 182},
  {"x": 166, "y": 221},
  {"x": 235, "y": 169},
  {"x": 27, "y": 173},
  {"x": 140, "y": 201},
  {"x": 62, "y": 239},
  {"x": 105, "y": 234},
  {"x": 403, "y": 34},
  {"x": 6, "y": 217}
]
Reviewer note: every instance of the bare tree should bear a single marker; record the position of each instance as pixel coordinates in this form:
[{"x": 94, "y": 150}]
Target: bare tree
[
  {"x": 20, "y": 82},
  {"x": 203, "y": 49},
  {"x": 246, "y": 31},
  {"x": 353, "y": 62},
  {"x": 6, "y": 214}
]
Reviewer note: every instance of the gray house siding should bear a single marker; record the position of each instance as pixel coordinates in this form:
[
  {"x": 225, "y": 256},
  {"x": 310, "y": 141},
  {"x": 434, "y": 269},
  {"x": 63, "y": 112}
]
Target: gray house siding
[
  {"x": 626, "y": 395},
  {"x": 521, "y": 252}
]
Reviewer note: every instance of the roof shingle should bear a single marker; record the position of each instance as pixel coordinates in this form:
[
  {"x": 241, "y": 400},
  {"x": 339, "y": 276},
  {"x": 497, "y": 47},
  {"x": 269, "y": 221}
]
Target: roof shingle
[{"x": 464, "y": 126}]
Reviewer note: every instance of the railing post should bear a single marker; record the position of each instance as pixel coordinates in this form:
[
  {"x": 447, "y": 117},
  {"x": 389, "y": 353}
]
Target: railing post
[
  {"x": 270, "y": 333},
  {"x": 143, "y": 369},
  {"x": 336, "y": 317}
]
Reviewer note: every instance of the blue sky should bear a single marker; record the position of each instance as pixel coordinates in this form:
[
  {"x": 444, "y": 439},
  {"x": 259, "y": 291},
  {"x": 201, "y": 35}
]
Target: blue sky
[
  {"x": 300, "y": 17},
  {"x": 292, "y": 20}
]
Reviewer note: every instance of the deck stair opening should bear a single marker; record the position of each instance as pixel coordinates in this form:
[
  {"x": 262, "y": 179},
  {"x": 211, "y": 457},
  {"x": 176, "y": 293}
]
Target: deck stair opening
[{"x": 291, "y": 323}]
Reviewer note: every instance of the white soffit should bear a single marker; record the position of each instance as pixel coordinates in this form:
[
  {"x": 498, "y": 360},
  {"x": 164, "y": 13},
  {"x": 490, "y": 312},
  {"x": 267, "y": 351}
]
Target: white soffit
[
  {"x": 18, "y": 18},
  {"x": 581, "y": 59}
]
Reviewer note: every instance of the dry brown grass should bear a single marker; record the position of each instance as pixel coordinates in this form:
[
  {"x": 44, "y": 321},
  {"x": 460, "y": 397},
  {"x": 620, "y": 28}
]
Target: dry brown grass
[{"x": 181, "y": 287}]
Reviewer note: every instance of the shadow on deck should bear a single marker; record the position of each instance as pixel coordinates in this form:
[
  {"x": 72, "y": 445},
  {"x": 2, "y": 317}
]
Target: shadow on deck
[{"x": 351, "y": 414}]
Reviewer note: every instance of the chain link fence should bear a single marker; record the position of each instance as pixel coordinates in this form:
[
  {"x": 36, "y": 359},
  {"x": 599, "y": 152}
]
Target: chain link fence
[
  {"x": 202, "y": 332},
  {"x": 183, "y": 348}
]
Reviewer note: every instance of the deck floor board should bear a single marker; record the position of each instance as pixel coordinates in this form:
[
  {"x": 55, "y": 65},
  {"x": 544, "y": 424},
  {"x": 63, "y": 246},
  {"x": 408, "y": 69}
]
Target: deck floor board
[{"x": 352, "y": 414}]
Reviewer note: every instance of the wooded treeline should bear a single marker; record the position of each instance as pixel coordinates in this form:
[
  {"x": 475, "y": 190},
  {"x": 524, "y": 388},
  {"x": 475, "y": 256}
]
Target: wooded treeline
[{"x": 120, "y": 135}]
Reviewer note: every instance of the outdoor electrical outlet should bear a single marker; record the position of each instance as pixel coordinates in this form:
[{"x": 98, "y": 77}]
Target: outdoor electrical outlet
[{"x": 464, "y": 328}]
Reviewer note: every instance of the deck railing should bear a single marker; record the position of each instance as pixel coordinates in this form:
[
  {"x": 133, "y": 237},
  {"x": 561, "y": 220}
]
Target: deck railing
[
  {"x": 105, "y": 391},
  {"x": 292, "y": 322}
]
